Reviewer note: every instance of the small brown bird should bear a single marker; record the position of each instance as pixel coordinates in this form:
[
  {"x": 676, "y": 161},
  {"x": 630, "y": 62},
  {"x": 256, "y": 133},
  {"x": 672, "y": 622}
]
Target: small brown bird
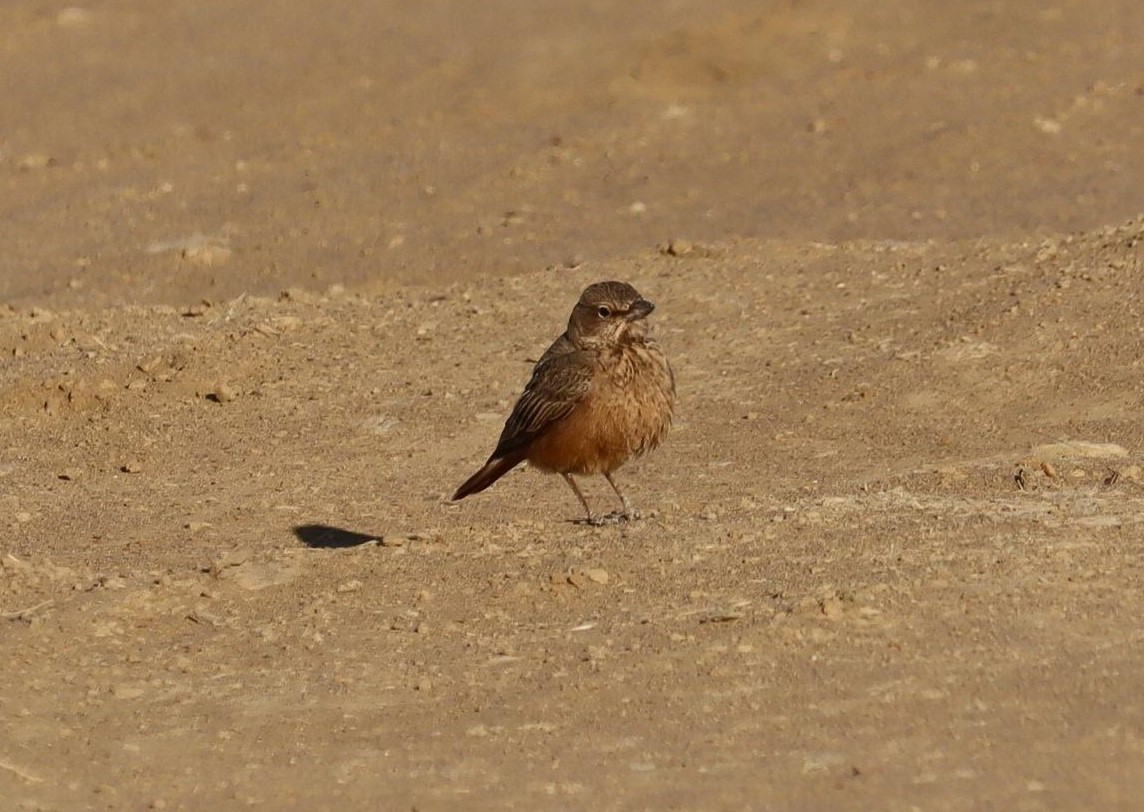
[{"x": 600, "y": 395}]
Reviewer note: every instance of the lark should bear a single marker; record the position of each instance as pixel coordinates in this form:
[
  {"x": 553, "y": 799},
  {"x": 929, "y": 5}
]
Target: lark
[{"x": 602, "y": 394}]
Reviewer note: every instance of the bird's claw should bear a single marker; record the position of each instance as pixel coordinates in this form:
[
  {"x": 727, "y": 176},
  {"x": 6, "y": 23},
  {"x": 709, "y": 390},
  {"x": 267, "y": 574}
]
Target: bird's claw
[{"x": 619, "y": 517}]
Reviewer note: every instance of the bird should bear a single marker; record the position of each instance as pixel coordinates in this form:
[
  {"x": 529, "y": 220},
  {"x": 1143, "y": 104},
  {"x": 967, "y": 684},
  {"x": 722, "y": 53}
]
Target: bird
[{"x": 601, "y": 394}]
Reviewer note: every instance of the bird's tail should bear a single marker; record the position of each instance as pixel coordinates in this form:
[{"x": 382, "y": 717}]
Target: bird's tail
[{"x": 490, "y": 472}]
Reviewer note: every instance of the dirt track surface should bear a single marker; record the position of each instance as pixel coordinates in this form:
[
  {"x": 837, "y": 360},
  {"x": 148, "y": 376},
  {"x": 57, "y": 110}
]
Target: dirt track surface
[{"x": 891, "y": 552}]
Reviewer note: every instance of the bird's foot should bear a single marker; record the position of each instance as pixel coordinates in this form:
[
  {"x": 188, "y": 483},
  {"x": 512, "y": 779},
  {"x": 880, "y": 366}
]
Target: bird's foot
[{"x": 619, "y": 517}]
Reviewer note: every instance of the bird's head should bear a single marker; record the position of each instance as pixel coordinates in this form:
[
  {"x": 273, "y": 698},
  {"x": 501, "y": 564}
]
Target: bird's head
[{"x": 607, "y": 313}]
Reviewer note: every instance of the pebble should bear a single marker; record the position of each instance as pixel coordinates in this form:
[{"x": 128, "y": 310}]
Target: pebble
[
  {"x": 127, "y": 692},
  {"x": 597, "y": 576},
  {"x": 832, "y": 608},
  {"x": 254, "y": 576},
  {"x": 36, "y": 161},
  {"x": 131, "y": 467},
  {"x": 71, "y": 474},
  {"x": 286, "y": 323},
  {"x": 223, "y": 393},
  {"x": 231, "y": 558},
  {"x": 207, "y": 253},
  {"x": 200, "y": 615},
  {"x": 151, "y": 364},
  {"x": 73, "y": 17}
]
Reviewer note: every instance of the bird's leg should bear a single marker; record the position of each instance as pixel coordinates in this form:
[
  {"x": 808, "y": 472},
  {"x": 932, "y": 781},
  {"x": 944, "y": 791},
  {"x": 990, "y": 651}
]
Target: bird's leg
[
  {"x": 630, "y": 513},
  {"x": 576, "y": 489}
]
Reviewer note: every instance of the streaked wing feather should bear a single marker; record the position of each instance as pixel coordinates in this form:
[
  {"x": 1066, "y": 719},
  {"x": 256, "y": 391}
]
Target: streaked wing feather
[{"x": 558, "y": 384}]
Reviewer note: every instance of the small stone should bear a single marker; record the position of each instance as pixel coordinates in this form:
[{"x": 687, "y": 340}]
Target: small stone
[
  {"x": 71, "y": 474},
  {"x": 223, "y": 393},
  {"x": 151, "y": 364},
  {"x": 200, "y": 615},
  {"x": 195, "y": 527},
  {"x": 286, "y": 323},
  {"x": 36, "y": 161},
  {"x": 424, "y": 685},
  {"x": 296, "y": 295},
  {"x": 131, "y": 467},
  {"x": 73, "y": 17},
  {"x": 348, "y": 586},
  {"x": 1048, "y": 469},
  {"x": 596, "y": 576},
  {"x": 23, "y": 517},
  {"x": 253, "y": 576},
  {"x": 207, "y": 252},
  {"x": 832, "y": 607},
  {"x": 127, "y": 691},
  {"x": 231, "y": 558}
]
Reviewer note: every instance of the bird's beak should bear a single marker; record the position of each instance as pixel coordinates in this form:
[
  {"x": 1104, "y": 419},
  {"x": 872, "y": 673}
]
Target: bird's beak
[{"x": 640, "y": 309}]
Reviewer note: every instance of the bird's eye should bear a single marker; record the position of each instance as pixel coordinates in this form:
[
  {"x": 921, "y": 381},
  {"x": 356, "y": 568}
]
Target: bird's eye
[{"x": 604, "y": 311}]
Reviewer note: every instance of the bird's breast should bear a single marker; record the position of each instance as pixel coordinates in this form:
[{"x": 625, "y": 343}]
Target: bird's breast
[{"x": 627, "y": 412}]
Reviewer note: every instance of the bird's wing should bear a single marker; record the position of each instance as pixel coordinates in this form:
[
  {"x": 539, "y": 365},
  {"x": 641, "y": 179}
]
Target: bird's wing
[
  {"x": 559, "y": 382},
  {"x": 561, "y": 346}
]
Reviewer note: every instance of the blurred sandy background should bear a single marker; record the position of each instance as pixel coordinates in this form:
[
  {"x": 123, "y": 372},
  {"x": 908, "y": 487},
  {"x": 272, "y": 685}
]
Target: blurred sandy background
[
  {"x": 270, "y": 274},
  {"x": 376, "y": 143}
]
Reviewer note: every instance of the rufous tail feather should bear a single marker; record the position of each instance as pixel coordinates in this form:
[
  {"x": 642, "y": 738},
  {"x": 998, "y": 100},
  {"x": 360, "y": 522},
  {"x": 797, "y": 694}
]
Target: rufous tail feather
[{"x": 490, "y": 472}]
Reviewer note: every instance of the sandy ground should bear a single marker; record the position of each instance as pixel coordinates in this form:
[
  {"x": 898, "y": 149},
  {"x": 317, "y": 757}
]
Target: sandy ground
[{"x": 272, "y": 278}]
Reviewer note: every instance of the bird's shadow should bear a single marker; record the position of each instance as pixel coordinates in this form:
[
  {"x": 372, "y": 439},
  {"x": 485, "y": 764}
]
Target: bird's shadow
[{"x": 325, "y": 537}]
